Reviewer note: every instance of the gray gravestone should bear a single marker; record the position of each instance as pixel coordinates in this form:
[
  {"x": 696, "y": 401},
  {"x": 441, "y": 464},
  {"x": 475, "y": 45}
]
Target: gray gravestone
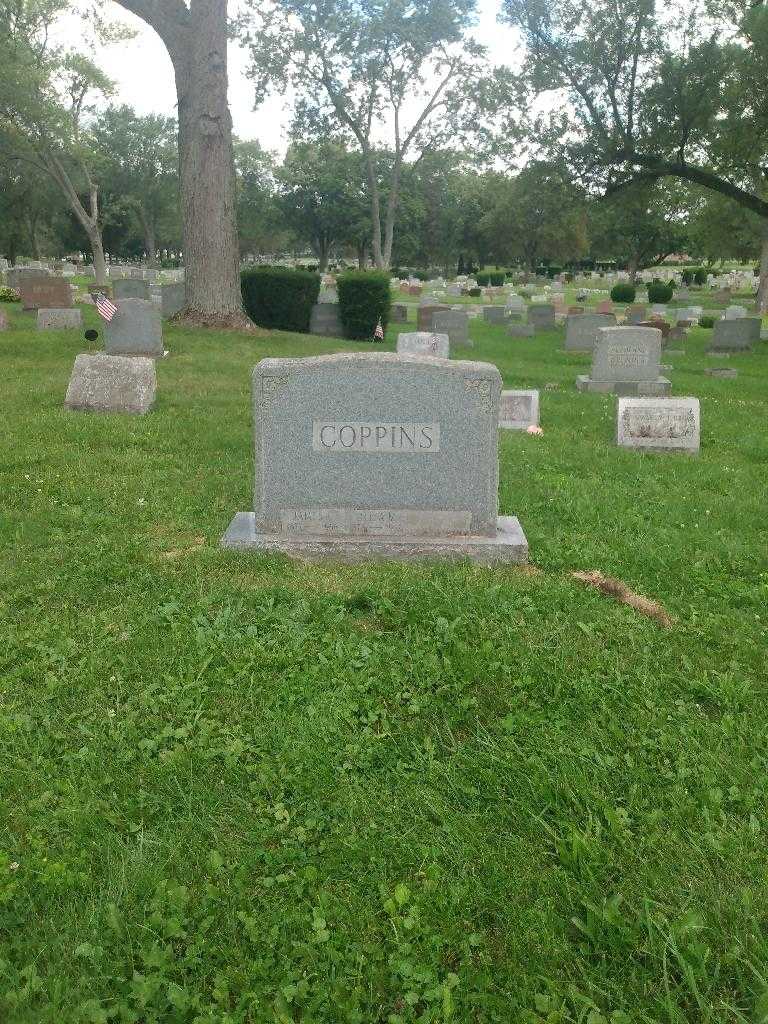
[
  {"x": 625, "y": 361},
  {"x": 59, "y": 319},
  {"x": 725, "y": 372},
  {"x": 519, "y": 410},
  {"x": 325, "y": 320},
  {"x": 659, "y": 424},
  {"x": 581, "y": 331},
  {"x": 541, "y": 316},
  {"x": 399, "y": 313},
  {"x": 425, "y": 313},
  {"x": 422, "y": 343},
  {"x": 735, "y": 335},
  {"x": 494, "y": 314},
  {"x": 636, "y": 314},
  {"x": 14, "y": 275},
  {"x": 102, "y": 383},
  {"x": 130, "y": 289},
  {"x": 455, "y": 325},
  {"x": 363, "y": 455},
  {"x": 137, "y": 329},
  {"x": 521, "y": 330},
  {"x": 173, "y": 298},
  {"x": 735, "y": 312}
]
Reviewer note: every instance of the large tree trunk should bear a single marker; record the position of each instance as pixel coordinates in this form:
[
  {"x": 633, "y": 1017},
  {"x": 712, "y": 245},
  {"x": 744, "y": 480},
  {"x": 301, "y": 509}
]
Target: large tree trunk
[
  {"x": 373, "y": 185},
  {"x": 99, "y": 263},
  {"x": 762, "y": 291},
  {"x": 389, "y": 224},
  {"x": 34, "y": 241},
  {"x": 633, "y": 267},
  {"x": 196, "y": 40}
]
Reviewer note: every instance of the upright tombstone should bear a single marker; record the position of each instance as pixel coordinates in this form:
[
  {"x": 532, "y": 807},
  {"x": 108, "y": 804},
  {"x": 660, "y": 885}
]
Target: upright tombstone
[
  {"x": 173, "y": 298},
  {"x": 735, "y": 312},
  {"x": 735, "y": 335},
  {"x": 581, "y": 331},
  {"x": 542, "y": 316},
  {"x": 399, "y": 313},
  {"x": 136, "y": 330},
  {"x": 519, "y": 410},
  {"x": 604, "y": 306},
  {"x": 422, "y": 343},
  {"x": 15, "y": 275},
  {"x": 128, "y": 288},
  {"x": 426, "y": 312},
  {"x": 104, "y": 383},
  {"x": 659, "y": 424},
  {"x": 494, "y": 314},
  {"x": 636, "y": 314},
  {"x": 59, "y": 319},
  {"x": 325, "y": 320},
  {"x": 455, "y": 325},
  {"x": 625, "y": 361},
  {"x": 363, "y": 455},
  {"x": 45, "y": 292}
]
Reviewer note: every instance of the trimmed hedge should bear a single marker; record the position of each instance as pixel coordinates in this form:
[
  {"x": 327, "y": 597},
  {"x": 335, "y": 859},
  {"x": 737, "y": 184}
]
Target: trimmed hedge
[
  {"x": 280, "y": 298},
  {"x": 498, "y": 279},
  {"x": 623, "y": 292},
  {"x": 364, "y": 297},
  {"x": 474, "y": 293},
  {"x": 660, "y": 292},
  {"x": 707, "y": 321},
  {"x": 483, "y": 278}
]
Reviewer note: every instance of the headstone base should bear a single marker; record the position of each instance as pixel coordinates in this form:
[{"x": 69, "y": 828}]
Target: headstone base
[
  {"x": 508, "y": 546},
  {"x": 658, "y": 388}
]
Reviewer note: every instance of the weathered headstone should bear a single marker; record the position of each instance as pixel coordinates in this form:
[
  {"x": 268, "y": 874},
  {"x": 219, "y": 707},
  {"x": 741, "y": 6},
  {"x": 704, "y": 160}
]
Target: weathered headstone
[
  {"x": 659, "y": 325},
  {"x": 604, "y": 306},
  {"x": 735, "y": 312},
  {"x": 659, "y": 425},
  {"x": 726, "y": 372},
  {"x": 519, "y": 410},
  {"x": 363, "y": 455},
  {"x": 130, "y": 289},
  {"x": 399, "y": 313},
  {"x": 136, "y": 329},
  {"x": 325, "y": 320},
  {"x": 455, "y": 325},
  {"x": 426, "y": 312},
  {"x": 173, "y": 298},
  {"x": 15, "y": 275},
  {"x": 424, "y": 343},
  {"x": 542, "y": 316},
  {"x": 494, "y": 314},
  {"x": 59, "y": 319},
  {"x": 103, "y": 383},
  {"x": 521, "y": 330},
  {"x": 625, "y": 361},
  {"x": 636, "y": 314},
  {"x": 45, "y": 293},
  {"x": 581, "y": 331},
  {"x": 735, "y": 335},
  {"x": 575, "y": 310}
]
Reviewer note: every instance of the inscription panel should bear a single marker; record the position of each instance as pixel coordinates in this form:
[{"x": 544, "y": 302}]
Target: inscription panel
[
  {"x": 330, "y": 522},
  {"x": 376, "y": 438},
  {"x": 671, "y": 424}
]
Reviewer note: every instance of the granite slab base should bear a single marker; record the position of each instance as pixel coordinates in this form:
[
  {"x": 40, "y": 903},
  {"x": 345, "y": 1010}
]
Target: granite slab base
[
  {"x": 508, "y": 546},
  {"x": 659, "y": 388}
]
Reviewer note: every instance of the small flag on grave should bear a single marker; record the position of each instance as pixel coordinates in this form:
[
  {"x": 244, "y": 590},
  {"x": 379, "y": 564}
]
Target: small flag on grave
[
  {"x": 105, "y": 307},
  {"x": 378, "y": 334}
]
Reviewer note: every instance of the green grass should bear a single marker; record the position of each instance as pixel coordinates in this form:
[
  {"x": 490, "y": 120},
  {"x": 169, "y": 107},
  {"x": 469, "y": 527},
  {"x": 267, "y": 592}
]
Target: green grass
[{"x": 237, "y": 789}]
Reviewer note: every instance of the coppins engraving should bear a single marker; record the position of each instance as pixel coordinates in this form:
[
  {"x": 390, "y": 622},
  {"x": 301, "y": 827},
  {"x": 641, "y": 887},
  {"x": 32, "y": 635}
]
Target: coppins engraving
[
  {"x": 621, "y": 356},
  {"x": 658, "y": 422},
  {"x": 376, "y": 438}
]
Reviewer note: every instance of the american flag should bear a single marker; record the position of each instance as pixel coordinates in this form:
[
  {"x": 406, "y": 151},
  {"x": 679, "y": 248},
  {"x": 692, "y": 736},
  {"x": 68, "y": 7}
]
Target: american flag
[
  {"x": 378, "y": 334},
  {"x": 105, "y": 307}
]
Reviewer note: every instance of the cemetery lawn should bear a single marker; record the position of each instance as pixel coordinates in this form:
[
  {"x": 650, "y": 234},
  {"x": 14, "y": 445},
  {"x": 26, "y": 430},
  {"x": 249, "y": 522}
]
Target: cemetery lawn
[{"x": 237, "y": 789}]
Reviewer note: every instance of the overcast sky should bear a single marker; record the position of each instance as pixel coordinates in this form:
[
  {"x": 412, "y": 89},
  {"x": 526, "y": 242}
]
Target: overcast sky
[{"x": 142, "y": 72}]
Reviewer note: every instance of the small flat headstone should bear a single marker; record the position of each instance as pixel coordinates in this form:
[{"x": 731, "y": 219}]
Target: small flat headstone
[
  {"x": 659, "y": 424},
  {"x": 59, "y": 319},
  {"x": 325, "y": 320},
  {"x": 519, "y": 410},
  {"x": 521, "y": 330},
  {"x": 103, "y": 383},
  {"x": 424, "y": 343},
  {"x": 726, "y": 372}
]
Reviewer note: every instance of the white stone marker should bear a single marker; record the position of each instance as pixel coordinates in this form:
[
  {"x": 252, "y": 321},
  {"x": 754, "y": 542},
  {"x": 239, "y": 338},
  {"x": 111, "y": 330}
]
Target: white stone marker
[
  {"x": 376, "y": 455},
  {"x": 424, "y": 343},
  {"x": 519, "y": 410},
  {"x": 103, "y": 383},
  {"x": 659, "y": 424}
]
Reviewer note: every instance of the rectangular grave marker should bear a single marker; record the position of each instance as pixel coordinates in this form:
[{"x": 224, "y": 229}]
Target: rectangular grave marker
[{"x": 659, "y": 424}]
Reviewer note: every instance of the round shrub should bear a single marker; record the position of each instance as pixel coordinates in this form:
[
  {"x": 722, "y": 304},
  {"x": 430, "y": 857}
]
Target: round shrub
[
  {"x": 700, "y": 276},
  {"x": 623, "y": 292},
  {"x": 658, "y": 291},
  {"x": 279, "y": 298},
  {"x": 475, "y": 293},
  {"x": 707, "y": 321},
  {"x": 364, "y": 298},
  {"x": 483, "y": 279},
  {"x": 9, "y": 295}
]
